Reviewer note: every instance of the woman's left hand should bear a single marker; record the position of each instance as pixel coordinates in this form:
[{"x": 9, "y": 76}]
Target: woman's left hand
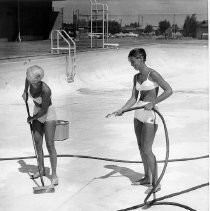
[{"x": 149, "y": 106}]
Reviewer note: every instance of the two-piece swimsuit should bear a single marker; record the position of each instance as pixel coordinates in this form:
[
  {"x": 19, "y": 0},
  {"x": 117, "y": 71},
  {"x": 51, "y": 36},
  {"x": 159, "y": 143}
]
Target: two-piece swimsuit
[
  {"x": 51, "y": 113},
  {"x": 145, "y": 116}
]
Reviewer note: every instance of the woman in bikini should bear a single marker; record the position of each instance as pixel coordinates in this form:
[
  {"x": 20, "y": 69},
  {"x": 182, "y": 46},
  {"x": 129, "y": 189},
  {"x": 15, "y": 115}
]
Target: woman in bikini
[
  {"x": 145, "y": 92},
  {"x": 43, "y": 119}
]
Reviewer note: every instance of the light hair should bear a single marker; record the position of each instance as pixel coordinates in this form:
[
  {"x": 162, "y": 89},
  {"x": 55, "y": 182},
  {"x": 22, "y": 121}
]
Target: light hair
[{"x": 34, "y": 73}]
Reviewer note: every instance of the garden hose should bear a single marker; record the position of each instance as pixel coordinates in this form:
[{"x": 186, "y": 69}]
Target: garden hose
[{"x": 166, "y": 156}]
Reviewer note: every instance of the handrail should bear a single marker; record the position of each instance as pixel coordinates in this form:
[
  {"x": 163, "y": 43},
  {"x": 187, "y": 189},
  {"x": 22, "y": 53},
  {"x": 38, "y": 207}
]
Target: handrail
[
  {"x": 57, "y": 38},
  {"x": 70, "y": 75},
  {"x": 69, "y": 39},
  {"x": 59, "y": 32}
]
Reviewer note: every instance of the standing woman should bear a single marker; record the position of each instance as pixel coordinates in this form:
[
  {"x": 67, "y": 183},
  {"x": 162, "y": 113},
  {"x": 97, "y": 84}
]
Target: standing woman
[
  {"x": 146, "y": 85},
  {"x": 43, "y": 119}
]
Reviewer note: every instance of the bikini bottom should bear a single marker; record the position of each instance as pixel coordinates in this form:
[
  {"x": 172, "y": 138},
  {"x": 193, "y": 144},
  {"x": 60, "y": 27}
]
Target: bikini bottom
[
  {"x": 145, "y": 116},
  {"x": 49, "y": 116}
]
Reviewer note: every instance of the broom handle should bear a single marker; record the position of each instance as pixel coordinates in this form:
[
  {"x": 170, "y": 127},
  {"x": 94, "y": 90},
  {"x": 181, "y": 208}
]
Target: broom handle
[{"x": 31, "y": 128}]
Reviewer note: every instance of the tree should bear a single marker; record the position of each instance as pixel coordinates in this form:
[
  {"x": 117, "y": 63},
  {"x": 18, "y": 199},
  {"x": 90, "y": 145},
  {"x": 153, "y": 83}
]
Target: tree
[
  {"x": 114, "y": 27},
  {"x": 148, "y": 29},
  {"x": 175, "y": 28},
  {"x": 163, "y": 26},
  {"x": 135, "y": 24},
  {"x": 190, "y": 25}
]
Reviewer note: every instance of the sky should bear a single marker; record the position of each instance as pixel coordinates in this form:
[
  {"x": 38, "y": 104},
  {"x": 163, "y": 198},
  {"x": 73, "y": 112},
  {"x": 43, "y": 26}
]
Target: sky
[{"x": 143, "y": 11}]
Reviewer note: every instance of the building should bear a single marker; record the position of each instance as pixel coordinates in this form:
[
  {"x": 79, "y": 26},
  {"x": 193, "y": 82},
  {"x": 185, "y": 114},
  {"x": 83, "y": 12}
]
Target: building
[
  {"x": 202, "y": 30},
  {"x": 26, "y": 19}
]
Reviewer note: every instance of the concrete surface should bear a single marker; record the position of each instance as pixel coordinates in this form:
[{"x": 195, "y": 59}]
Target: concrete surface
[{"x": 102, "y": 84}]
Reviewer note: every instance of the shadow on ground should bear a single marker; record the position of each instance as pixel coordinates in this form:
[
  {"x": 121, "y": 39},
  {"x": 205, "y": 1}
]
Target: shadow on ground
[
  {"x": 31, "y": 169},
  {"x": 123, "y": 171}
]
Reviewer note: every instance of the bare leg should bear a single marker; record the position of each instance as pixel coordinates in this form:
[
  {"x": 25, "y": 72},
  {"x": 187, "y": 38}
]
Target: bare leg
[
  {"x": 49, "y": 128},
  {"x": 147, "y": 178},
  {"x": 148, "y": 134},
  {"x": 38, "y": 129},
  {"x": 138, "y": 131}
]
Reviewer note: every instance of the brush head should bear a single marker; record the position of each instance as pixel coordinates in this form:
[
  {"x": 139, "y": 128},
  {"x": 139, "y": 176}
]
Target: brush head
[{"x": 43, "y": 189}]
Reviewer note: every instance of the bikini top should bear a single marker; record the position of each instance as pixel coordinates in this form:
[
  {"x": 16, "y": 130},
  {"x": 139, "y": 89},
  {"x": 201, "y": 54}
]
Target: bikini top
[
  {"x": 146, "y": 85},
  {"x": 38, "y": 100}
]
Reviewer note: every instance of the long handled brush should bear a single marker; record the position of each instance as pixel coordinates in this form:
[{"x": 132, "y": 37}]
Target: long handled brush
[{"x": 43, "y": 188}]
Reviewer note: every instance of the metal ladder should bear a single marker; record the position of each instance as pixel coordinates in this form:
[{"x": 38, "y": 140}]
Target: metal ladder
[
  {"x": 71, "y": 57},
  {"x": 98, "y": 8}
]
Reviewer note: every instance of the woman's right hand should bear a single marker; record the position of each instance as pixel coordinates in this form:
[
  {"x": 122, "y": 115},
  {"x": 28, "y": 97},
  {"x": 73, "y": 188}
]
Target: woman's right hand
[
  {"x": 118, "y": 112},
  {"x": 30, "y": 119}
]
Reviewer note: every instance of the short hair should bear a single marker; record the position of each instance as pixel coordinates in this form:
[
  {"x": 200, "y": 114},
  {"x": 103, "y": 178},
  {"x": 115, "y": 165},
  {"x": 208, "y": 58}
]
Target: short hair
[
  {"x": 137, "y": 53},
  {"x": 35, "y": 72}
]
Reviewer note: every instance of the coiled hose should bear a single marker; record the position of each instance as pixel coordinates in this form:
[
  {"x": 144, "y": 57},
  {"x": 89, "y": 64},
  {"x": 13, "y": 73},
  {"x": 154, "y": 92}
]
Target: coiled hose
[
  {"x": 154, "y": 201},
  {"x": 147, "y": 204},
  {"x": 166, "y": 156}
]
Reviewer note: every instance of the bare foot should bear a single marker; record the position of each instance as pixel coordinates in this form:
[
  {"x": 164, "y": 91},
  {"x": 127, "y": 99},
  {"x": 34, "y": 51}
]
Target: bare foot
[
  {"x": 37, "y": 175},
  {"x": 158, "y": 188},
  {"x": 143, "y": 181},
  {"x": 54, "y": 180}
]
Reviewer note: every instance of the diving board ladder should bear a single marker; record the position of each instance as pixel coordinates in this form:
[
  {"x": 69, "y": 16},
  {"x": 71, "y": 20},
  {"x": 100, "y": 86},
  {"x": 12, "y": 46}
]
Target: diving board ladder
[
  {"x": 56, "y": 47},
  {"x": 99, "y": 12}
]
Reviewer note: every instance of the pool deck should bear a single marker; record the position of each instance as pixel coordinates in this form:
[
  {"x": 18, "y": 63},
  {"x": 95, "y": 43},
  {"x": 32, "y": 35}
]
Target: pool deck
[
  {"x": 89, "y": 180},
  {"x": 13, "y": 50}
]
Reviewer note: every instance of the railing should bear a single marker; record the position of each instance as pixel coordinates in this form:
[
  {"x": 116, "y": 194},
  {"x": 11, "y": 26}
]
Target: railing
[{"x": 71, "y": 48}]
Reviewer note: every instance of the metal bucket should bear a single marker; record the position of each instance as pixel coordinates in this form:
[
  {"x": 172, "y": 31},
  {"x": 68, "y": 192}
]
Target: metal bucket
[{"x": 62, "y": 130}]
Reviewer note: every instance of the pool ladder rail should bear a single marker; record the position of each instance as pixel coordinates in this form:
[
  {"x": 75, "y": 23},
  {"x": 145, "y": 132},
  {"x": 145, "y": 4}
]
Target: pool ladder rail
[{"x": 56, "y": 47}]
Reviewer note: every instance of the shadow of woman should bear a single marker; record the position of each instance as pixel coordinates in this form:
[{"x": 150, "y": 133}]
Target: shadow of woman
[
  {"x": 31, "y": 169},
  {"x": 123, "y": 171}
]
